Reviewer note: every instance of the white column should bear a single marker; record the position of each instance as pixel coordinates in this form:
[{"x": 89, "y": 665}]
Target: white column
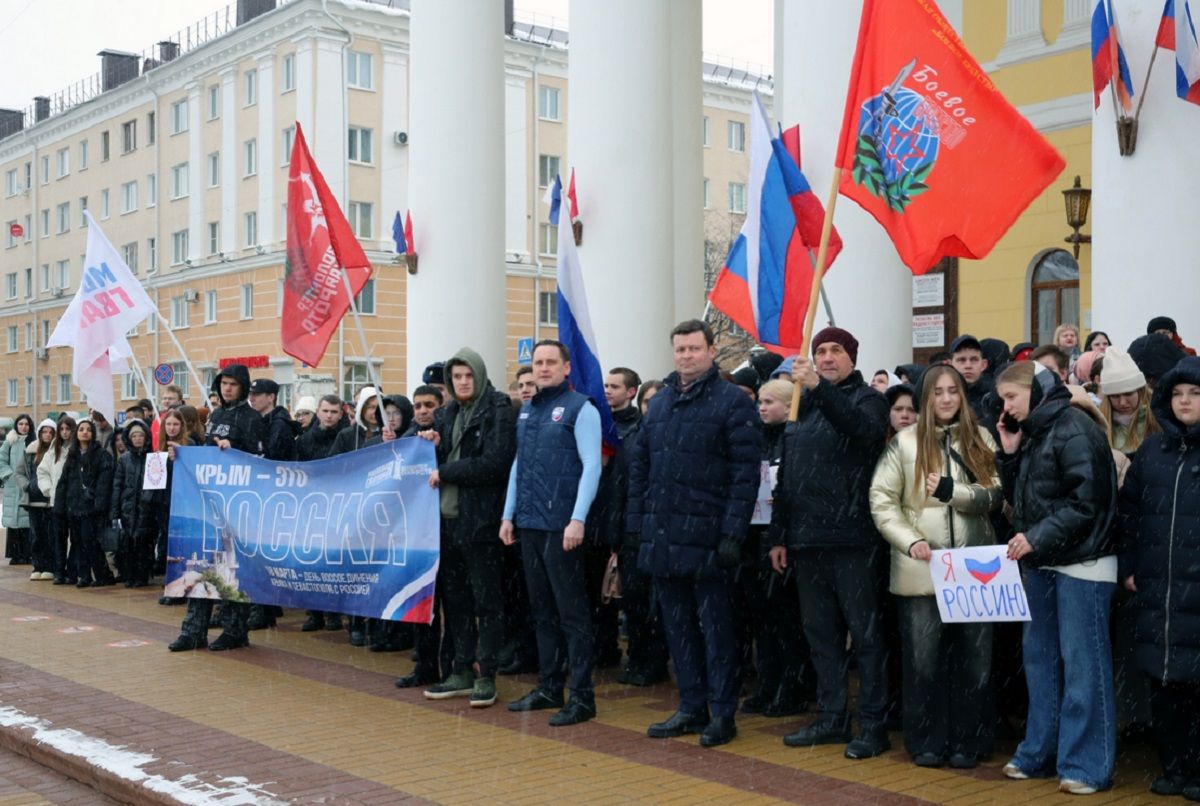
[
  {"x": 327, "y": 138},
  {"x": 1145, "y": 207},
  {"x": 516, "y": 163},
  {"x": 1077, "y": 22},
  {"x": 869, "y": 289},
  {"x": 1023, "y": 31},
  {"x": 456, "y": 183},
  {"x": 196, "y": 184},
  {"x": 619, "y": 140},
  {"x": 229, "y": 158},
  {"x": 687, "y": 157},
  {"x": 268, "y": 165},
  {"x": 393, "y": 158},
  {"x": 304, "y": 83}
]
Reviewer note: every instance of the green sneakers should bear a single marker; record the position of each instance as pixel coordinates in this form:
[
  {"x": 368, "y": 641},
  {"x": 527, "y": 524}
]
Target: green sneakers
[
  {"x": 484, "y": 693},
  {"x": 456, "y": 685}
]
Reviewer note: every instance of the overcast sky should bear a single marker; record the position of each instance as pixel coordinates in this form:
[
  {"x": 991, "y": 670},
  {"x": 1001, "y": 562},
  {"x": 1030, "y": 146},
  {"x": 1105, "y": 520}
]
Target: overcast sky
[{"x": 51, "y": 44}]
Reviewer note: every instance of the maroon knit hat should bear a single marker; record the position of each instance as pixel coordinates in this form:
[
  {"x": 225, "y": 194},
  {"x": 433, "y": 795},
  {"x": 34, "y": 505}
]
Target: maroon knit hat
[{"x": 838, "y": 336}]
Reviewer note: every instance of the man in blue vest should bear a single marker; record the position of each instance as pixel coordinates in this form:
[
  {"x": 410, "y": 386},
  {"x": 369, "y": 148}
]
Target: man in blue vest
[
  {"x": 693, "y": 479},
  {"x": 550, "y": 490}
]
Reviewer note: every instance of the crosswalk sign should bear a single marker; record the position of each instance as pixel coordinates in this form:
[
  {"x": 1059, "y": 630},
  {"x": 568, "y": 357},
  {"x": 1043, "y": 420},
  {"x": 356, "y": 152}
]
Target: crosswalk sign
[{"x": 524, "y": 352}]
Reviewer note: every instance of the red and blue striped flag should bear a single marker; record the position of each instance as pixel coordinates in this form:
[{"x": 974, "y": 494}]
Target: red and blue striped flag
[{"x": 1108, "y": 57}]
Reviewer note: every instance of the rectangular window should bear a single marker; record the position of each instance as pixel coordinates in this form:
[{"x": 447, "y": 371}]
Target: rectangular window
[
  {"x": 128, "y": 136},
  {"x": 179, "y": 181},
  {"x": 151, "y": 125},
  {"x": 28, "y": 391},
  {"x": 82, "y": 210},
  {"x": 10, "y": 183},
  {"x": 29, "y": 227},
  {"x": 64, "y": 388},
  {"x": 548, "y": 239},
  {"x": 45, "y": 388},
  {"x": 104, "y": 146},
  {"x": 287, "y": 77},
  {"x": 547, "y": 169},
  {"x": 214, "y": 102},
  {"x": 179, "y": 247},
  {"x": 737, "y": 135},
  {"x": 179, "y": 312},
  {"x": 62, "y": 215},
  {"x": 10, "y": 238},
  {"x": 45, "y": 169},
  {"x": 737, "y": 197},
  {"x": 181, "y": 377},
  {"x": 210, "y": 307},
  {"x": 129, "y": 386},
  {"x": 289, "y": 140},
  {"x": 45, "y": 336},
  {"x": 151, "y": 254},
  {"x": 12, "y": 391},
  {"x": 83, "y": 155},
  {"x": 151, "y": 190},
  {"x": 548, "y": 103},
  {"x": 548, "y": 308},
  {"x": 250, "y": 226},
  {"x": 11, "y": 338},
  {"x": 129, "y": 252},
  {"x": 360, "y": 145},
  {"x": 247, "y": 297},
  {"x": 358, "y": 70},
  {"x": 104, "y": 203},
  {"x": 64, "y": 274},
  {"x": 44, "y": 221},
  {"x": 214, "y": 237},
  {"x": 250, "y": 150},
  {"x": 62, "y": 161},
  {"x": 707, "y": 200},
  {"x": 704, "y": 131},
  {"x": 129, "y": 197},
  {"x": 10, "y": 286},
  {"x": 179, "y": 116},
  {"x": 45, "y": 276},
  {"x": 214, "y": 169},
  {"x": 28, "y": 336},
  {"x": 361, "y": 219},
  {"x": 366, "y": 298},
  {"x": 28, "y": 282},
  {"x": 251, "y": 83}
]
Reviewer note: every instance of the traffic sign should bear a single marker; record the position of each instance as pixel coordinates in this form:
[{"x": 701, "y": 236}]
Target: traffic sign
[
  {"x": 164, "y": 374},
  {"x": 524, "y": 352}
]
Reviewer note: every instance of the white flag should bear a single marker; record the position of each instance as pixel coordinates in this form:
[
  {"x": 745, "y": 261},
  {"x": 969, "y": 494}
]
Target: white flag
[{"x": 110, "y": 302}]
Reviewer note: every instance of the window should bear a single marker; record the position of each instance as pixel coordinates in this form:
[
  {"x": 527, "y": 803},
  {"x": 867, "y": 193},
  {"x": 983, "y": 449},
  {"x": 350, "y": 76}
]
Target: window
[
  {"x": 360, "y": 218},
  {"x": 28, "y": 336},
  {"x": 214, "y": 237},
  {"x": 11, "y": 240},
  {"x": 706, "y": 196},
  {"x": 547, "y": 169},
  {"x": 214, "y": 169},
  {"x": 250, "y": 227},
  {"x": 181, "y": 377},
  {"x": 28, "y": 227},
  {"x": 704, "y": 131},
  {"x": 250, "y": 150},
  {"x": 151, "y": 254},
  {"x": 44, "y": 229},
  {"x": 355, "y": 378},
  {"x": 10, "y": 183},
  {"x": 45, "y": 388},
  {"x": 360, "y": 145},
  {"x": 151, "y": 190},
  {"x": 152, "y": 322},
  {"x": 548, "y": 308},
  {"x": 179, "y": 312},
  {"x": 151, "y": 125},
  {"x": 129, "y": 197},
  {"x": 358, "y": 70},
  {"x": 279, "y": 295},
  {"x": 179, "y": 247},
  {"x": 128, "y": 136},
  {"x": 64, "y": 273},
  {"x": 28, "y": 397},
  {"x": 62, "y": 162},
  {"x": 129, "y": 253},
  {"x": 129, "y": 386},
  {"x": 12, "y": 391},
  {"x": 366, "y": 298},
  {"x": 289, "y": 139},
  {"x": 737, "y": 197},
  {"x": 210, "y": 307},
  {"x": 64, "y": 388},
  {"x": 548, "y": 239},
  {"x": 548, "y": 103},
  {"x": 251, "y": 83},
  {"x": 11, "y": 340},
  {"x": 737, "y": 135},
  {"x": 82, "y": 210},
  {"x": 1053, "y": 294},
  {"x": 10, "y": 285},
  {"x": 104, "y": 146},
  {"x": 214, "y": 102},
  {"x": 45, "y": 276},
  {"x": 179, "y": 116},
  {"x": 46, "y": 338},
  {"x": 288, "y": 75},
  {"x": 104, "y": 203},
  {"x": 83, "y": 155},
  {"x": 28, "y": 282},
  {"x": 62, "y": 215},
  {"x": 179, "y": 181},
  {"x": 247, "y": 297}
]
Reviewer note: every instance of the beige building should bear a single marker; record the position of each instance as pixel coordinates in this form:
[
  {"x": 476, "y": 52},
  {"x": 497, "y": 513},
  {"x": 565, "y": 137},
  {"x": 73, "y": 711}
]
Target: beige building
[{"x": 181, "y": 156}]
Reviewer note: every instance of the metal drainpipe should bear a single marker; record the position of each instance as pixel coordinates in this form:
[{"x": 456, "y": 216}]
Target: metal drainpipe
[{"x": 537, "y": 248}]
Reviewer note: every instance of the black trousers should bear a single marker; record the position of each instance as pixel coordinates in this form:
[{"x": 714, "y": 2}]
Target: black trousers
[
  {"x": 773, "y": 613},
  {"x": 647, "y": 646},
  {"x": 605, "y": 617},
  {"x": 16, "y": 545},
  {"x": 947, "y": 682},
  {"x": 701, "y": 631},
  {"x": 89, "y": 555},
  {"x": 434, "y": 642},
  {"x": 519, "y": 634},
  {"x": 838, "y": 590},
  {"x": 474, "y": 601},
  {"x": 41, "y": 539},
  {"x": 562, "y": 616},
  {"x": 139, "y": 557},
  {"x": 1176, "y": 709},
  {"x": 64, "y": 547},
  {"x": 199, "y": 611}
]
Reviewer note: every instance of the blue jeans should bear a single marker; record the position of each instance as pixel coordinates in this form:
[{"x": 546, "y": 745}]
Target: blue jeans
[{"x": 1068, "y": 665}]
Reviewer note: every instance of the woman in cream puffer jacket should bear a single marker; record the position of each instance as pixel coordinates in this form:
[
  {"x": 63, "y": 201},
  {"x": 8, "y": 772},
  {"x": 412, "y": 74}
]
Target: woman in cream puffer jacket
[{"x": 933, "y": 489}]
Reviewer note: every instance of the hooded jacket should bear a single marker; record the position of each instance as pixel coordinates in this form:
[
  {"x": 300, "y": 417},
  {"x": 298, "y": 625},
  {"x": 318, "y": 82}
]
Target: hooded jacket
[
  {"x": 1160, "y": 538},
  {"x": 317, "y": 442},
  {"x": 406, "y": 417},
  {"x": 85, "y": 487},
  {"x": 475, "y": 453},
  {"x": 279, "y": 443},
  {"x": 50, "y": 471},
  {"x": 12, "y": 457},
  {"x": 235, "y": 420},
  {"x": 353, "y": 437},
  {"x": 130, "y": 503}
]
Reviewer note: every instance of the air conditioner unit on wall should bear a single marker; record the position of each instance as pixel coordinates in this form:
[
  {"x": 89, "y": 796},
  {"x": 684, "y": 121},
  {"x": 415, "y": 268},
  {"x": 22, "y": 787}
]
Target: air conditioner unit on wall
[
  {"x": 191, "y": 296},
  {"x": 57, "y": 291},
  {"x": 42, "y": 353}
]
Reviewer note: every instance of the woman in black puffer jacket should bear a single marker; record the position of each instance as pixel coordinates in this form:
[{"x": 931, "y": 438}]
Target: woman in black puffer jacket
[
  {"x": 84, "y": 491},
  {"x": 137, "y": 521},
  {"x": 1160, "y": 564}
]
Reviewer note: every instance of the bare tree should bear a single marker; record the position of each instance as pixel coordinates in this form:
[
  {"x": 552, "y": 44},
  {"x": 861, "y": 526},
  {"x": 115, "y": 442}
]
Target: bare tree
[{"x": 733, "y": 343}]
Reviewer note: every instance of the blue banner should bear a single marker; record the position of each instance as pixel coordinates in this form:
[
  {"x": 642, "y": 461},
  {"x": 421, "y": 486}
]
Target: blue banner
[{"x": 356, "y": 533}]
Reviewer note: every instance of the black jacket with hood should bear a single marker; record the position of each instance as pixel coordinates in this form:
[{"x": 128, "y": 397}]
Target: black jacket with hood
[
  {"x": 317, "y": 442},
  {"x": 132, "y": 505},
  {"x": 85, "y": 486},
  {"x": 235, "y": 421},
  {"x": 353, "y": 437},
  {"x": 281, "y": 432}
]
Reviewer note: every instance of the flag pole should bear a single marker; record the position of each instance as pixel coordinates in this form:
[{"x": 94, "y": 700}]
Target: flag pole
[
  {"x": 191, "y": 369},
  {"x": 362, "y": 336},
  {"x": 146, "y": 385},
  {"x": 1145, "y": 84},
  {"x": 815, "y": 291}
]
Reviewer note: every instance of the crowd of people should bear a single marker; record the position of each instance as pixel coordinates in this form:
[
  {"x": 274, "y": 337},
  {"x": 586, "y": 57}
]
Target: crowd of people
[{"x": 1080, "y": 457}]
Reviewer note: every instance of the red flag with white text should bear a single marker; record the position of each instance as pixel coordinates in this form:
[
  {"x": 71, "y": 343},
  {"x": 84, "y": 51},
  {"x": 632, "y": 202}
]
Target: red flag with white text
[{"x": 320, "y": 248}]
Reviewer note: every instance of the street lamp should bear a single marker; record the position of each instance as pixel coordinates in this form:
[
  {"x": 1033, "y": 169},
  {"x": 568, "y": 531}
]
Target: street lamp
[{"x": 1078, "y": 199}]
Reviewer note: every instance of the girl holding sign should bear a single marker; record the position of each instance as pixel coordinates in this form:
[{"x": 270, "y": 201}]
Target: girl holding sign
[
  {"x": 933, "y": 489},
  {"x": 1060, "y": 480}
]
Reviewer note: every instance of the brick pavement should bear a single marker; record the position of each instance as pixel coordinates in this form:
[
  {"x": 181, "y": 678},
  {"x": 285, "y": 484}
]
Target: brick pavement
[{"x": 305, "y": 718}]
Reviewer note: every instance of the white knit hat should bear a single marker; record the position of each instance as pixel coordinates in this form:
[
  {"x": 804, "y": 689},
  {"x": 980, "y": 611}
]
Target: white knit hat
[
  {"x": 1120, "y": 374},
  {"x": 307, "y": 403}
]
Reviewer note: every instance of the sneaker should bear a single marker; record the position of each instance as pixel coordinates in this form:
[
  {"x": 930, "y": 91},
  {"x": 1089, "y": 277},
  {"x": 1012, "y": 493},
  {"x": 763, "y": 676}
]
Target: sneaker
[
  {"x": 47, "y": 576},
  {"x": 574, "y": 712},
  {"x": 1011, "y": 770},
  {"x": 456, "y": 685},
  {"x": 35, "y": 576},
  {"x": 536, "y": 700},
  {"x": 1072, "y": 787},
  {"x": 484, "y": 693}
]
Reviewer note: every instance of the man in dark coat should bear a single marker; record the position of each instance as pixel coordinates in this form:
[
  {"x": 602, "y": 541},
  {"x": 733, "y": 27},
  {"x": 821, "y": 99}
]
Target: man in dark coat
[
  {"x": 693, "y": 482},
  {"x": 317, "y": 441},
  {"x": 822, "y": 524},
  {"x": 476, "y": 442}
]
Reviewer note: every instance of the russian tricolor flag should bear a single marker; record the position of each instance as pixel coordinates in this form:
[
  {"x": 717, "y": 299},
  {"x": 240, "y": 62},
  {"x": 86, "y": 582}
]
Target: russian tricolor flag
[
  {"x": 767, "y": 277},
  {"x": 402, "y": 234},
  {"x": 574, "y": 322},
  {"x": 1177, "y": 32},
  {"x": 1108, "y": 57}
]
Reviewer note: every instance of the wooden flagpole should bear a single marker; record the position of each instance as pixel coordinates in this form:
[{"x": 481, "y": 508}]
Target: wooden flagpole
[{"x": 815, "y": 292}]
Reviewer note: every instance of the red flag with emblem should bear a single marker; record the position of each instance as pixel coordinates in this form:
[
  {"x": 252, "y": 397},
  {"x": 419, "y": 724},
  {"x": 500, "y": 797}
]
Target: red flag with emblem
[
  {"x": 322, "y": 253},
  {"x": 929, "y": 146}
]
